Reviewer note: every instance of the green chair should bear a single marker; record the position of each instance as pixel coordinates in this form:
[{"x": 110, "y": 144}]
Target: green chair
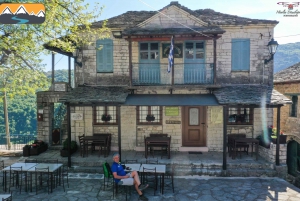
[{"x": 107, "y": 175}]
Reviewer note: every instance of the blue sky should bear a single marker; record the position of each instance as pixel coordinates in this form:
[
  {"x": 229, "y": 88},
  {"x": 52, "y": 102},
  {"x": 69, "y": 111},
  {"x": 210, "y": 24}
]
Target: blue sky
[{"x": 287, "y": 31}]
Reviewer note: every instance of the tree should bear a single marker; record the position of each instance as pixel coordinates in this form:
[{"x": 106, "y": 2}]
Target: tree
[{"x": 21, "y": 45}]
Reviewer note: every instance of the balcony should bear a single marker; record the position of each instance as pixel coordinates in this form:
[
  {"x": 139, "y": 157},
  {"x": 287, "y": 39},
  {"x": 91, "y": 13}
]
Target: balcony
[{"x": 184, "y": 74}]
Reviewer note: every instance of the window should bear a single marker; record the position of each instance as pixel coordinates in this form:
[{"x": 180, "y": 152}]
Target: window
[
  {"x": 194, "y": 50},
  {"x": 105, "y": 115},
  {"x": 149, "y": 51},
  {"x": 149, "y": 115},
  {"x": 240, "y": 115},
  {"x": 104, "y": 56},
  {"x": 293, "y": 107},
  {"x": 240, "y": 54}
]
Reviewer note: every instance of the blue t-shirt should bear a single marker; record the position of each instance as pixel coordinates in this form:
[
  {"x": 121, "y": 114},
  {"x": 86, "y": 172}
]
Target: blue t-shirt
[{"x": 117, "y": 167}]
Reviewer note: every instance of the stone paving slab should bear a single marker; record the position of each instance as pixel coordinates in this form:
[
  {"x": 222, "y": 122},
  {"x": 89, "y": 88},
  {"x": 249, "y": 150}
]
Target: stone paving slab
[{"x": 186, "y": 189}]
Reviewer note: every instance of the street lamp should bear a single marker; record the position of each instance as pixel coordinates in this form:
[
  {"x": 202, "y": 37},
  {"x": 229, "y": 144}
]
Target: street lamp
[{"x": 272, "y": 46}]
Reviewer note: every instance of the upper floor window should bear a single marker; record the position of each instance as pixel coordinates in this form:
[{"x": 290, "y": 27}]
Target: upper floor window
[
  {"x": 149, "y": 115},
  {"x": 293, "y": 107},
  {"x": 104, "y": 56},
  {"x": 105, "y": 115},
  {"x": 194, "y": 50},
  {"x": 240, "y": 115},
  {"x": 240, "y": 54},
  {"x": 149, "y": 51}
]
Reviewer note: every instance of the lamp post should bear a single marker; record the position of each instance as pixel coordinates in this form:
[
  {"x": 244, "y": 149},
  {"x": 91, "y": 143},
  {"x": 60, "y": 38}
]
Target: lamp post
[{"x": 272, "y": 46}]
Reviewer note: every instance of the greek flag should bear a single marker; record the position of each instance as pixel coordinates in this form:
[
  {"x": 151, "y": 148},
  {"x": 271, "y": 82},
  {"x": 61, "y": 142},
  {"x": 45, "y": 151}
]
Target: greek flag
[{"x": 170, "y": 58}]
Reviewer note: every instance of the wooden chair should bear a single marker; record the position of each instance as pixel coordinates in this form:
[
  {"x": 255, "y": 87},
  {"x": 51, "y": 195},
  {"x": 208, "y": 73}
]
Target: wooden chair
[
  {"x": 162, "y": 147},
  {"x": 240, "y": 147}
]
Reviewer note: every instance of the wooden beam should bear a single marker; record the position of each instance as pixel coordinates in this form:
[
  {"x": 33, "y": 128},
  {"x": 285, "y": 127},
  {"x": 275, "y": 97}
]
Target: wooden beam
[{"x": 167, "y": 39}]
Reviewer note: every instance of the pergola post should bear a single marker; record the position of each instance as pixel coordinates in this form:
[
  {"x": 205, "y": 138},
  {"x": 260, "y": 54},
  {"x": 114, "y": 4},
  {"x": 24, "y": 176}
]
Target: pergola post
[
  {"x": 119, "y": 129},
  {"x": 225, "y": 111},
  {"x": 278, "y": 135}
]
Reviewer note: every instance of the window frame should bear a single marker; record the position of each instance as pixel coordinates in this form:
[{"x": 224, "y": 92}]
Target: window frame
[
  {"x": 293, "y": 107},
  {"x": 105, "y": 42},
  {"x": 105, "y": 112},
  {"x": 242, "y": 53},
  {"x": 238, "y": 110},
  {"x": 149, "y": 113},
  {"x": 149, "y": 51}
]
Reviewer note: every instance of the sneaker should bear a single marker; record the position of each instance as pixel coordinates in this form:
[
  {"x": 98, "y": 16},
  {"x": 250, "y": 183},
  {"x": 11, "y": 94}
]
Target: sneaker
[
  {"x": 143, "y": 187},
  {"x": 142, "y": 197}
]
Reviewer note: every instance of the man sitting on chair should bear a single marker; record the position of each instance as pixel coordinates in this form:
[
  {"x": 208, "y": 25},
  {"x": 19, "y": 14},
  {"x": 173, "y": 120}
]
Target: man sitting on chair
[{"x": 123, "y": 178}]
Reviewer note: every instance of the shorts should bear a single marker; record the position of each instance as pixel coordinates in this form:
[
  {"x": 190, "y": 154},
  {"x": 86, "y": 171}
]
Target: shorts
[{"x": 128, "y": 181}]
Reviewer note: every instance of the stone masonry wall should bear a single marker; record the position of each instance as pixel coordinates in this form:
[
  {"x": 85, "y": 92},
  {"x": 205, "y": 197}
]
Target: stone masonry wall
[
  {"x": 289, "y": 125},
  {"x": 270, "y": 154}
]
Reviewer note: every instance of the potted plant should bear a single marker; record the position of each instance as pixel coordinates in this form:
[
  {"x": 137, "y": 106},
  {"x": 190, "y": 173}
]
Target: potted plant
[
  {"x": 106, "y": 117},
  {"x": 150, "y": 117},
  {"x": 37, "y": 147},
  {"x": 26, "y": 150},
  {"x": 64, "y": 152}
]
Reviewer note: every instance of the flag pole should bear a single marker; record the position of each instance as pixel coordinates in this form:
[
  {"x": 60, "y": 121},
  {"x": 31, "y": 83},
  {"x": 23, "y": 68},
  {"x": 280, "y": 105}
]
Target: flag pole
[{"x": 173, "y": 63}]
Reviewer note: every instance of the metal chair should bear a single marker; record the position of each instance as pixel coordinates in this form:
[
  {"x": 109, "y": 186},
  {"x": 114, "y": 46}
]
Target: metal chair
[
  {"x": 1, "y": 172},
  {"x": 15, "y": 174},
  {"x": 40, "y": 175},
  {"x": 152, "y": 161},
  {"x": 131, "y": 161},
  {"x": 169, "y": 177},
  {"x": 150, "y": 176},
  {"x": 107, "y": 175},
  {"x": 31, "y": 160},
  {"x": 65, "y": 173}
]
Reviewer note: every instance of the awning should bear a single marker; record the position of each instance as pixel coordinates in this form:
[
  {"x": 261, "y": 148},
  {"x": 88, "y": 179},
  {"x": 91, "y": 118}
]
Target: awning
[{"x": 171, "y": 100}]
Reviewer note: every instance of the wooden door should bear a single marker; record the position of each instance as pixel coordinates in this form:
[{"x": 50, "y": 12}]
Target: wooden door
[{"x": 194, "y": 126}]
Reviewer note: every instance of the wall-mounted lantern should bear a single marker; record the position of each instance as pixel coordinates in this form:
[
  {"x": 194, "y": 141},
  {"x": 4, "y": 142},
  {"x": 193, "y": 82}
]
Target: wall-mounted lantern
[
  {"x": 117, "y": 34},
  {"x": 272, "y": 46},
  {"x": 78, "y": 56}
]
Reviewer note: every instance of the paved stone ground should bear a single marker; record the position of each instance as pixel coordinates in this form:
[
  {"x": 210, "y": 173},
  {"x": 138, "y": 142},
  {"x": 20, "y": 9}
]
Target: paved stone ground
[{"x": 89, "y": 187}]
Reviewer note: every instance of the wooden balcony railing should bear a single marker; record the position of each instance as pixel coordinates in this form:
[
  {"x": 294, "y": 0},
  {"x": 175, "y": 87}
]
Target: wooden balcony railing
[{"x": 184, "y": 73}]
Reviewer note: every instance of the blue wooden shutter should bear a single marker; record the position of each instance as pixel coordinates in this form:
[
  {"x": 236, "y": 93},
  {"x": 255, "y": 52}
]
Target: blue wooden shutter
[
  {"x": 104, "y": 56},
  {"x": 240, "y": 54}
]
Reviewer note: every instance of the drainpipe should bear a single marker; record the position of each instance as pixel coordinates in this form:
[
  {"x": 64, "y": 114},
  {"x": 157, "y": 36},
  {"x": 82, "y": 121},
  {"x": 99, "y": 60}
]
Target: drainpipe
[
  {"x": 215, "y": 59},
  {"x": 278, "y": 135}
]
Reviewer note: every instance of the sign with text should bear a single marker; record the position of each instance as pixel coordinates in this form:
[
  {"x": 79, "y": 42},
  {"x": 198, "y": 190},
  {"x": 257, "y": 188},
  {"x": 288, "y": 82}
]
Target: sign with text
[
  {"x": 172, "y": 111},
  {"x": 76, "y": 116}
]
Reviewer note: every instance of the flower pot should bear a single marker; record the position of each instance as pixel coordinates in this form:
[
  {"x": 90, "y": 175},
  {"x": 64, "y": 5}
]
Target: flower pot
[
  {"x": 150, "y": 118},
  {"x": 26, "y": 151},
  {"x": 282, "y": 139},
  {"x": 65, "y": 152}
]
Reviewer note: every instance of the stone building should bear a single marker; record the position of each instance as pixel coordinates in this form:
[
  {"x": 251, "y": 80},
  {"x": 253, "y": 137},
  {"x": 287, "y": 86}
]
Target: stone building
[
  {"x": 219, "y": 71},
  {"x": 287, "y": 82}
]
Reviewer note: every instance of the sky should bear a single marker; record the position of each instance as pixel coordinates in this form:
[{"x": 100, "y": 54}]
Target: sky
[{"x": 287, "y": 31}]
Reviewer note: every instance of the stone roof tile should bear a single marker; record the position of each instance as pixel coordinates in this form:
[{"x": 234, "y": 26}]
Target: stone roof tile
[
  {"x": 250, "y": 94},
  {"x": 289, "y": 74},
  {"x": 132, "y": 18},
  {"x": 87, "y": 94}
]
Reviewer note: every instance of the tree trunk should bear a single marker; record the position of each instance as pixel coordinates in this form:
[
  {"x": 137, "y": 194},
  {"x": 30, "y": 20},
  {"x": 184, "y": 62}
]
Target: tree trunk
[{"x": 6, "y": 122}]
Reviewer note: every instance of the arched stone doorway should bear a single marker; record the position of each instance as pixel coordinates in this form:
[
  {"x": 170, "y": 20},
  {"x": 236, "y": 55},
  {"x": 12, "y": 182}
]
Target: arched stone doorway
[{"x": 293, "y": 157}]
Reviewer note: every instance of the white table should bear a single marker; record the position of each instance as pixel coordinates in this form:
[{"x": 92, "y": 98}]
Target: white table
[
  {"x": 160, "y": 169},
  {"x": 4, "y": 196},
  {"x": 133, "y": 167},
  {"x": 52, "y": 168},
  {"x": 25, "y": 167}
]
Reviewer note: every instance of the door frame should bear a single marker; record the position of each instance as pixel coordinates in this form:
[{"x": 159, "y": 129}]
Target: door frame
[{"x": 202, "y": 127}]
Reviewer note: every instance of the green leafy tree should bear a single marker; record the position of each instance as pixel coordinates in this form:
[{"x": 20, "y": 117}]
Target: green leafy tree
[{"x": 67, "y": 27}]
